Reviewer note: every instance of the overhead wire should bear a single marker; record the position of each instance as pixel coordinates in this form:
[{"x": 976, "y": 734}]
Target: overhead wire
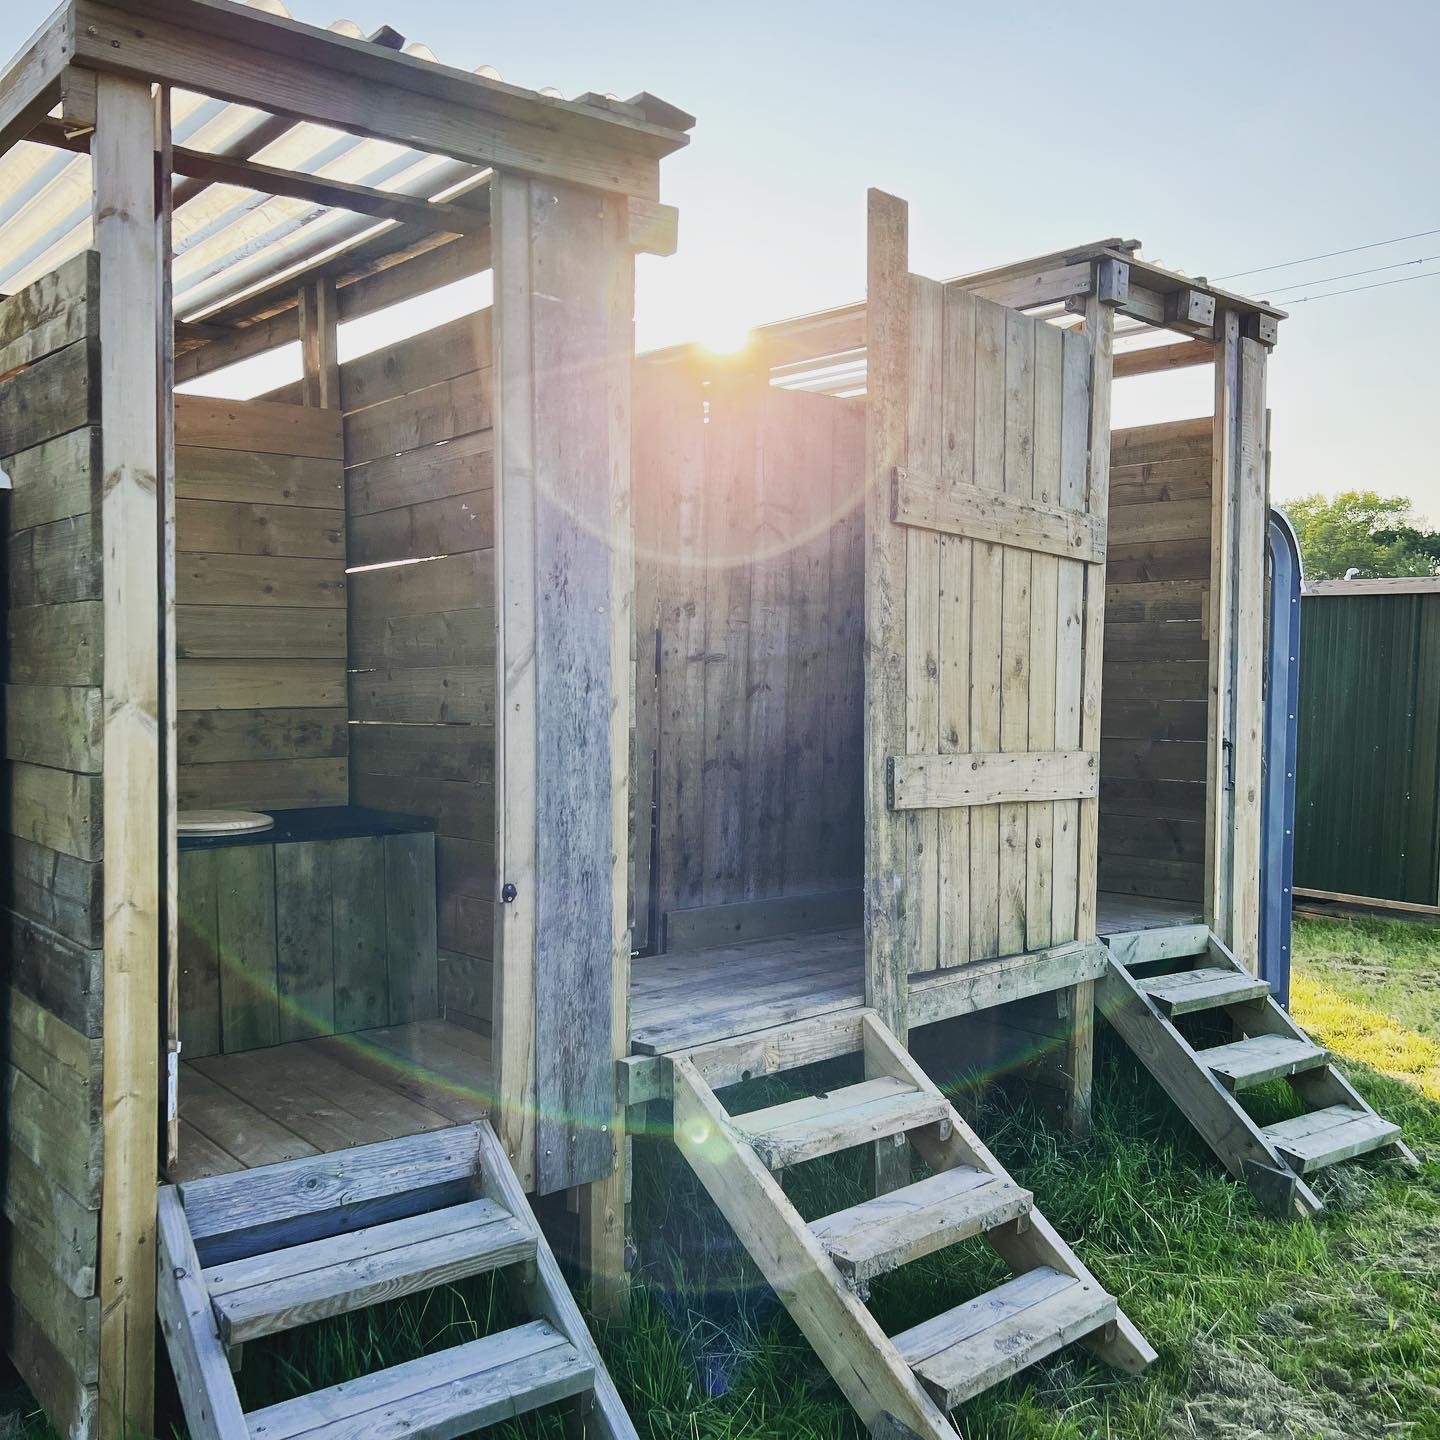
[
  {"x": 1355, "y": 289},
  {"x": 1328, "y": 255},
  {"x": 1351, "y": 274}
]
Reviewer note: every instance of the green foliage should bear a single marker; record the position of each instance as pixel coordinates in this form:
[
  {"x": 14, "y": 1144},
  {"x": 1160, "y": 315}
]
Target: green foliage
[{"x": 1362, "y": 530}]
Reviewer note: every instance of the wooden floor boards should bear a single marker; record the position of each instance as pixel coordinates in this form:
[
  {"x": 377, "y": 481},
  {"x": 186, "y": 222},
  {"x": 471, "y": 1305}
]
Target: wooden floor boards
[{"x": 315, "y": 1096}]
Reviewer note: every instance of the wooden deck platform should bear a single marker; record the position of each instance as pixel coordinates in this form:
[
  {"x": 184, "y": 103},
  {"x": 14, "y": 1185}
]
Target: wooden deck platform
[{"x": 315, "y": 1096}]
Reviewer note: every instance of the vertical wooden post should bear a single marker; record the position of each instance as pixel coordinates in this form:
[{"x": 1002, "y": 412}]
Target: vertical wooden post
[
  {"x": 513, "y": 1007},
  {"x": 887, "y": 322},
  {"x": 1252, "y": 505},
  {"x": 165, "y": 489},
  {"x": 123, "y": 155},
  {"x": 564, "y": 277},
  {"x": 319, "y": 352},
  {"x": 1078, "y": 1059},
  {"x": 605, "y": 1199},
  {"x": 1219, "y": 771},
  {"x": 890, "y": 914}
]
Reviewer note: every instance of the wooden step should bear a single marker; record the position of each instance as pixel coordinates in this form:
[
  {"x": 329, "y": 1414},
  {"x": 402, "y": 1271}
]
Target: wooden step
[
  {"x": 439, "y": 1396},
  {"x": 875, "y": 1237},
  {"x": 1187, "y": 991},
  {"x": 1260, "y": 1058},
  {"x": 853, "y": 1115},
  {"x": 978, "y": 1344},
  {"x": 1323, "y": 1137},
  {"x": 284, "y": 1288}
]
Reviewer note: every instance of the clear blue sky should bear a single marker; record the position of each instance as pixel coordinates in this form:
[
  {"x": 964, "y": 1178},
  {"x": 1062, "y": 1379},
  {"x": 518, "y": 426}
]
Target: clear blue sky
[{"x": 1225, "y": 137}]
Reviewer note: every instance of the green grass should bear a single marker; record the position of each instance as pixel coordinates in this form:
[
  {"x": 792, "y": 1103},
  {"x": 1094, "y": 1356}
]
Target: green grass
[{"x": 1297, "y": 1331}]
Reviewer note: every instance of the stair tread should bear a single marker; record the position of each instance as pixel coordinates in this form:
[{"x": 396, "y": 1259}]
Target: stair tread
[
  {"x": 878, "y": 1235},
  {"x": 976, "y": 1345},
  {"x": 438, "y": 1396},
  {"x": 838, "y": 1119},
  {"x": 1185, "y": 991},
  {"x": 1260, "y": 1058},
  {"x": 1323, "y": 1137},
  {"x": 280, "y": 1289}
]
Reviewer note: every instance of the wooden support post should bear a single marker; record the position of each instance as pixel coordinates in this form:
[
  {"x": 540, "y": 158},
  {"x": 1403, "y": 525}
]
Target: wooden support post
[
  {"x": 1252, "y": 507},
  {"x": 605, "y": 1199},
  {"x": 563, "y": 336},
  {"x": 126, "y": 235},
  {"x": 319, "y": 319},
  {"x": 165, "y": 499},
  {"x": 513, "y": 1006},
  {"x": 890, "y": 915},
  {"x": 1077, "y": 1060},
  {"x": 1219, "y": 771}
]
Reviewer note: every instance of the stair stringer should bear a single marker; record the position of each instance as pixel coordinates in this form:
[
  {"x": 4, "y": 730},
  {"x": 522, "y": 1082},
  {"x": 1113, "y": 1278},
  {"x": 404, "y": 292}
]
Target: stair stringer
[
  {"x": 199, "y": 1358},
  {"x": 1216, "y": 1114}
]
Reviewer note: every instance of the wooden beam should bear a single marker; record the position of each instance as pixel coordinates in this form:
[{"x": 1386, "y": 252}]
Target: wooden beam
[
  {"x": 1042, "y": 287},
  {"x": 1156, "y": 358},
  {"x": 276, "y": 64},
  {"x": 319, "y": 352},
  {"x": 1000, "y": 519},
  {"x": 338, "y": 194},
  {"x": 126, "y": 236},
  {"x": 651, "y": 229},
  {"x": 928, "y": 782},
  {"x": 32, "y": 85}
]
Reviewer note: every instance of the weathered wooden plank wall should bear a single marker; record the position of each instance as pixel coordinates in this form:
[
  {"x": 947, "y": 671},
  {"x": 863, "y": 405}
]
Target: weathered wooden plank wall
[
  {"x": 419, "y": 455},
  {"x": 260, "y": 605},
  {"x": 52, "y": 871},
  {"x": 749, "y": 517},
  {"x": 1156, "y": 685}
]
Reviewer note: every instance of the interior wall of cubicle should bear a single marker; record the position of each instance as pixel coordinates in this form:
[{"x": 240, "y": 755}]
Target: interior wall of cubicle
[{"x": 749, "y": 538}]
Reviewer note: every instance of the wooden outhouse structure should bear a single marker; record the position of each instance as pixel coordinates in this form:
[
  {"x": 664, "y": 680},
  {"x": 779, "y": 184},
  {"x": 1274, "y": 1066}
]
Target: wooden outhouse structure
[{"x": 627, "y": 729}]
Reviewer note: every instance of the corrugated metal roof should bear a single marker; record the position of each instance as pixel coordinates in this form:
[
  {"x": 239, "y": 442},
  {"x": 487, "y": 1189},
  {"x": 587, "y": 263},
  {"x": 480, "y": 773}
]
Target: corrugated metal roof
[{"x": 228, "y": 240}]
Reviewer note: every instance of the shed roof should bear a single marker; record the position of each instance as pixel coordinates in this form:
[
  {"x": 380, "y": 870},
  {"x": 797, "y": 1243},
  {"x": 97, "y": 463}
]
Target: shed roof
[{"x": 232, "y": 241}]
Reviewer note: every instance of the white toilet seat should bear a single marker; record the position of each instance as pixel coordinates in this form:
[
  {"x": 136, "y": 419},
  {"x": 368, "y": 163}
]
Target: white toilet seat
[{"x": 221, "y": 822}]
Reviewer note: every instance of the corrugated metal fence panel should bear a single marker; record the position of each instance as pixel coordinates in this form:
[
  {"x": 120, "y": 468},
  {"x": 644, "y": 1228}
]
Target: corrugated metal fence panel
[{"x": 1368, "y": 783}]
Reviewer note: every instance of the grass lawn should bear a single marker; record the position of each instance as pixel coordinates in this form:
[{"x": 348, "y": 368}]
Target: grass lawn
[{"x": 1281, "y": 1330}]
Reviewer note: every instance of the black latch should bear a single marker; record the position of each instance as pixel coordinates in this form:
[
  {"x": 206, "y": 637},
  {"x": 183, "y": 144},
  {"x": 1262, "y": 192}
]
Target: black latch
[{"x": 508, "y": 892}]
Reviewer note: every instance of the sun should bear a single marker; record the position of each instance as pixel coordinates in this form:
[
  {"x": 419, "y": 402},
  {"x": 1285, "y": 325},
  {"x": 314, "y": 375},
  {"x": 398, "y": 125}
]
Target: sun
[{"x": 725, "y": 337}]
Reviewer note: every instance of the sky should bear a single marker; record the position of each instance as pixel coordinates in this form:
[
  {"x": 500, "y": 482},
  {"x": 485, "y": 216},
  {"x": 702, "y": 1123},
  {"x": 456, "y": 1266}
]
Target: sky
[{"x": 1226, "y": 138}]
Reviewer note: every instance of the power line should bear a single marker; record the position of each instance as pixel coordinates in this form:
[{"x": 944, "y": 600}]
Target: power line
[
  {"x": 1351, "y": 274},
  {"x": 1328, "y": 255},
  {"x": 1354, "y": 289}
]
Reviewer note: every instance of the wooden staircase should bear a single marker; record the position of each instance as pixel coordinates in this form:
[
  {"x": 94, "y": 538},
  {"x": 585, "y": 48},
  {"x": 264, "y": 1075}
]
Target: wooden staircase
[
  {"x": 1156, "y": 977},
  {"x": 254, "y": 1253},
  {"x": 902, "y": 1383}
]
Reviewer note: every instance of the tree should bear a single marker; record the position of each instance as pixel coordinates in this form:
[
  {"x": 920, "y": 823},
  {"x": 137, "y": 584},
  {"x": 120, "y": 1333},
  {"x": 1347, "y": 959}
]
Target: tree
[{"x": 1365, "y": 531}]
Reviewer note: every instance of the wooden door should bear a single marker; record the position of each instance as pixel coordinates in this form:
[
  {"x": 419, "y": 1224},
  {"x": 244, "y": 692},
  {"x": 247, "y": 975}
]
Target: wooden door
[{"x": 984, "y": 597}]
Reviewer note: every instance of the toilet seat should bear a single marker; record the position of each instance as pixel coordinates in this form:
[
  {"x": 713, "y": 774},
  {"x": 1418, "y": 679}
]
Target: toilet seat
[{"x": 221, "y": 822}]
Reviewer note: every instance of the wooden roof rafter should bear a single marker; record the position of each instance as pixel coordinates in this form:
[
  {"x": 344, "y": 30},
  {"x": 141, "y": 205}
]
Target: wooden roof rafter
[
  {"x": 294, "y": 70},
  {"x": 1052, "y": 285}
]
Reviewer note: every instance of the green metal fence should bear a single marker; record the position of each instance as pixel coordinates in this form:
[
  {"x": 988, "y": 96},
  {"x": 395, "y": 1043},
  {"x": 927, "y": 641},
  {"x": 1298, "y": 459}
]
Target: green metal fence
[{"x": 1367, "y": 813}]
